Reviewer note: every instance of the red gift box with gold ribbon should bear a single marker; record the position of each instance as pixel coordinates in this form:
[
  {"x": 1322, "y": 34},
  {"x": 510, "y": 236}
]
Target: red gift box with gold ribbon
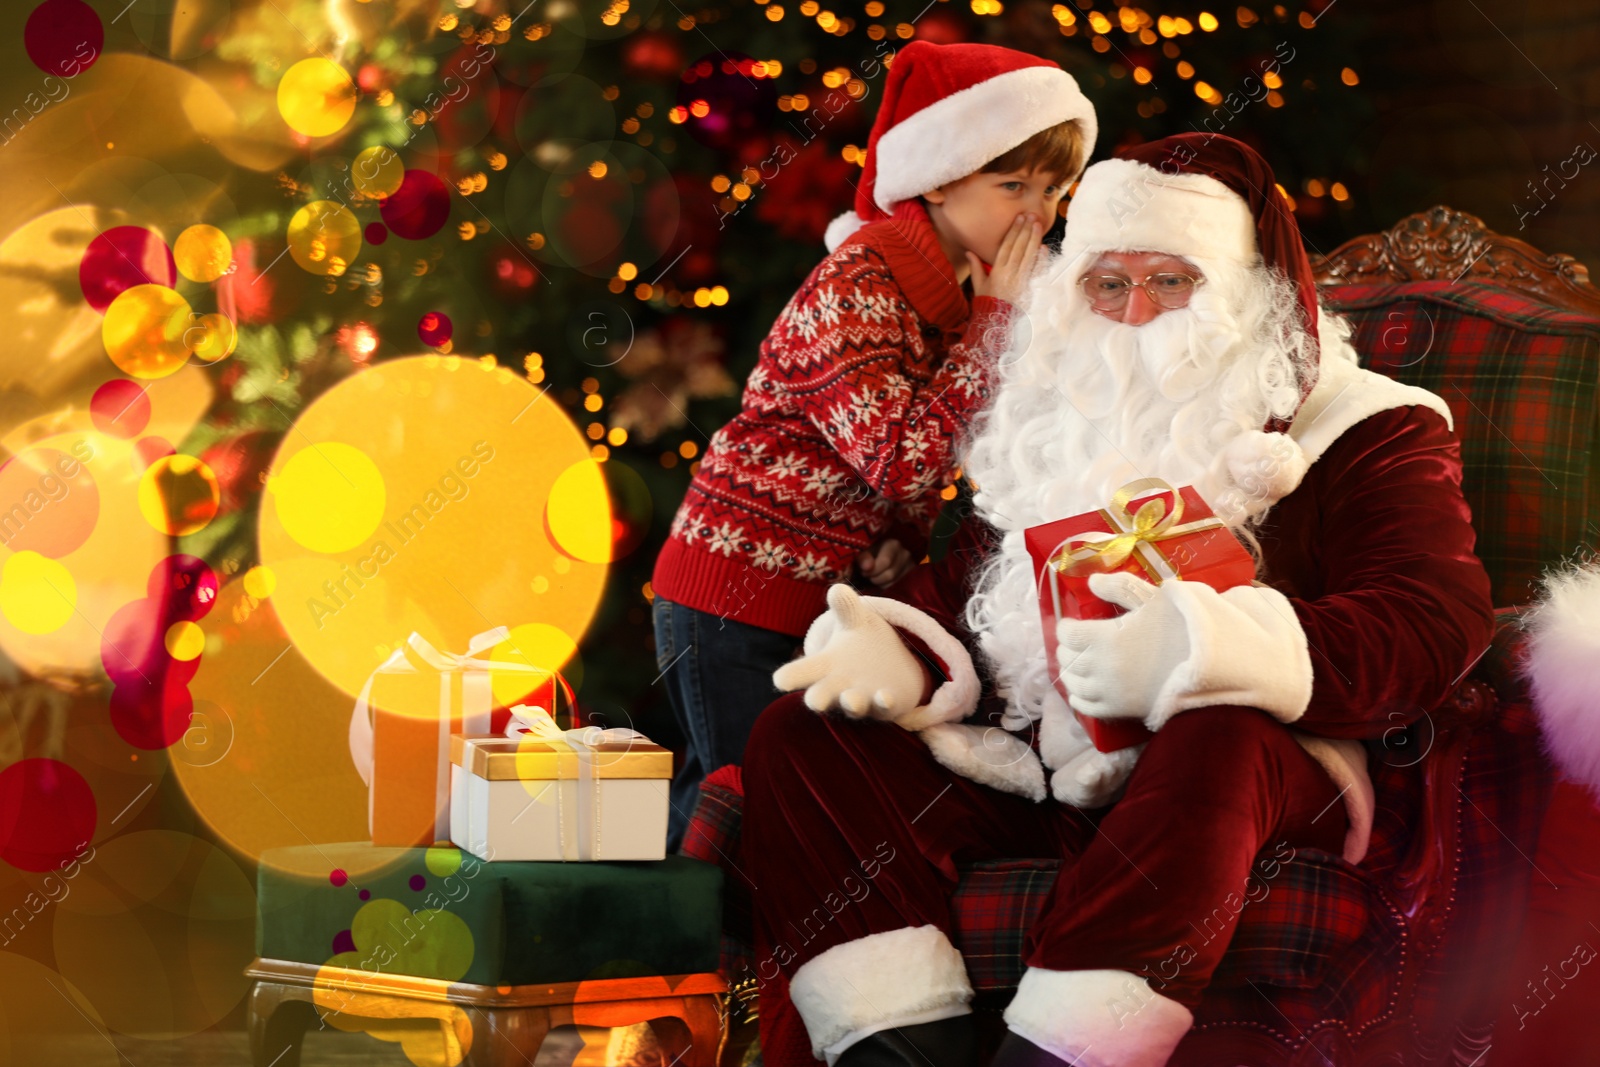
[{"x": 1150, "y": 529}]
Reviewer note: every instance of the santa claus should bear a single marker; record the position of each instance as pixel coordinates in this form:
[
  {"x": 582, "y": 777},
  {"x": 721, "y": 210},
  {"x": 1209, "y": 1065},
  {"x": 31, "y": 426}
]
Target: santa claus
[{"x": 1176, "y": 334}]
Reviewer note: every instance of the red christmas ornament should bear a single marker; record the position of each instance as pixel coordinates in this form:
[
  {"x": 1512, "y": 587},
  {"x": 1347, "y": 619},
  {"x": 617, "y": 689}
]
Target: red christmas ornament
[
  {"x": 701, "y": 226},
  {"x": 657, "y": 223},
  {"x": 594, "y": 220},
  {"x": 725, "y": 103},
  {"x": 652, "y": 54},
  {"x": 801, "y": 199},
  {"x": 511, "y": 271},
  {"x": 943, "y": 26},
  {"x": 463, "y": 119},
  {"x": 239, "y": 463},
  {"x": 252, "y": 293}
]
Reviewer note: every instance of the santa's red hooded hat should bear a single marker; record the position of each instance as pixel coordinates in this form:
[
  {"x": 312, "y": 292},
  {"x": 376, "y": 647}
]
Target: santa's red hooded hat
[
  {"x": 949, "y": 109},
  {"x": 1198, "y": 196}
]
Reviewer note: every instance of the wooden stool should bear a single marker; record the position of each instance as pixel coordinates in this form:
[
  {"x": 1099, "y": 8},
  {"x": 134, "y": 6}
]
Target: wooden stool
[{"x": 482, "y": 1026}]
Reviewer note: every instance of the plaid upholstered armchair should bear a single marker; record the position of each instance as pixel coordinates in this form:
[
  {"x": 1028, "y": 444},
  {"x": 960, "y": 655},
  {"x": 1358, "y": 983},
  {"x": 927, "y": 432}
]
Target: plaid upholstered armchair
[{"x": 1405, "y": 957}]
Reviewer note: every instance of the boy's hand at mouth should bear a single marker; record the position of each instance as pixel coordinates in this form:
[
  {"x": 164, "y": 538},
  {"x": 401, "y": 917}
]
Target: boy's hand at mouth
[{"x": 1014, "y": 262}]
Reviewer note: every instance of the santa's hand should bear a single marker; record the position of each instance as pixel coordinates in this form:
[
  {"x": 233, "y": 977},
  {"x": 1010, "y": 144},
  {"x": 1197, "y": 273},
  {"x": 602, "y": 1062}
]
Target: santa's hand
[
  {"x": 856, "y": 663},
  {"x": 1093, "y": 779},
  {"x": 1115, "y": 668}
]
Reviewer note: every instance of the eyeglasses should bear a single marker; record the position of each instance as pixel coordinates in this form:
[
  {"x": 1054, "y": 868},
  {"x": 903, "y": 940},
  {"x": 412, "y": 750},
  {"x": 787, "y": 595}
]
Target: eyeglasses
[{"x": 1109, "y": 292}]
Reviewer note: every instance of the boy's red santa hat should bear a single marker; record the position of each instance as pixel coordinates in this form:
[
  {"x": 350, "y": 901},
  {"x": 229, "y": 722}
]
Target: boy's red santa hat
[
  {"x": 1199, "y": 196},
  {"x": 950, "y": 109}
]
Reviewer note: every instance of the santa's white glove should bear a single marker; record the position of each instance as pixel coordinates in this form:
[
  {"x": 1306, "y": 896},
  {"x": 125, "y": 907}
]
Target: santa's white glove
[
  {"x": 1185, "y": 645},
  {"x": 1093, "y": 779},
  {"x": 856, "y": 662},
  {"x": 1116, "y": 668},
  {"x": 1080, "y": 773}
]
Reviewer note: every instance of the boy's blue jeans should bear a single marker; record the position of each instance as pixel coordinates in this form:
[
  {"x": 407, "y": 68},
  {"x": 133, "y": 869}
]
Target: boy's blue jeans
[{"x": 718, "y": 675}]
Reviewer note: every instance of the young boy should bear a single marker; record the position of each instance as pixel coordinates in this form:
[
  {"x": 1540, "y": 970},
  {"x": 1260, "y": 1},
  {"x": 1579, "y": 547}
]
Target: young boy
[{"x": 851, "y": 417}]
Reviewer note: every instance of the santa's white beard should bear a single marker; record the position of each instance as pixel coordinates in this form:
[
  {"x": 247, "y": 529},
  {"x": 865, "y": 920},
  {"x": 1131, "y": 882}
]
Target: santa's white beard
[{"x": 1089, "y": 405}]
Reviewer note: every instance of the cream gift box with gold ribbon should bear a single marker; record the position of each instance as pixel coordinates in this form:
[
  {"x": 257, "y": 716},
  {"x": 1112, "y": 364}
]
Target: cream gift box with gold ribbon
[{"x": 543, "y": 793}]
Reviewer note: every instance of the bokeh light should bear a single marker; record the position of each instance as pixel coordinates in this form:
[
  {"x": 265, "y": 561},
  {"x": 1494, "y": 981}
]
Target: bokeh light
[
  {"x": 377, "y": 171},
  {"x": 260, "y": 582},
  {"x": 442, "y": 949},
  {"x": 246, "y": 679},
  {"x": 120, "y": 408},
  {"x": 157, "y": 931},
  {"x": 449, "y": 441},
  {"x": 329, "y": 497},
  {"x": 419, "y": 208},
  {"x": 185, "y": 586},
  {"x": 442, "y": 861},
  {"x": 185, "y": 640},
  {"x": 47, "y": 812},
  {"x": 145, "y": 331},
  {"x": 152, "y": 712},
  {"x": 549, "y": 648},
  {"x": 108, "y": 566},
  {"x": 432, "y": 943},
  {"x": 212, "y": 336},
  {"x": 178, "y": 494},
  {"x": 64, "y": 37},
  {"x": 316, "y": 97},
  {"x": 132, "y": 645},
  {"x": 324, "y": 237},
  {"x": 147, "y": 450},
  {"x": 121, "y": 258},
  {"x": 435, "y": 329},
  {"x": 37, "y": 594},
  {"x": 202, "y": 253},
  {"x": 631, "y": 507},
  {"x": 49, "y": 503},
  {"x": 578, "y": 513},
  {"x": 42, "y": 1011}
]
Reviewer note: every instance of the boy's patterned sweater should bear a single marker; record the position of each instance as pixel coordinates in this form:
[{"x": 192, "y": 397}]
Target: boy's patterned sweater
[{"x": 848, "y": 430}]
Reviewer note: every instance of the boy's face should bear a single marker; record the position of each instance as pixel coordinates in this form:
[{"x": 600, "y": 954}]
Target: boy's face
[{"x": 976, "y": 211}]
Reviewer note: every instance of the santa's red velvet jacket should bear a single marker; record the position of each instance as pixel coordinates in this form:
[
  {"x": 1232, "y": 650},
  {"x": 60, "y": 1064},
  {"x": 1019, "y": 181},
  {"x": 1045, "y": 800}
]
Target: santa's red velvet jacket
[
  {"x": 1384, "y": 604},
  {"x": 847, "y": 434}
]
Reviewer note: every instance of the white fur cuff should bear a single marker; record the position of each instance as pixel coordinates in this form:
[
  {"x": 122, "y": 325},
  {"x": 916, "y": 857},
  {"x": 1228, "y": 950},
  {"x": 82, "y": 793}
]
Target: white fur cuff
[
  {"x": 878, "y": 981},
  {"x": 956, "y": 698},
  {"x": 989, "y": 756},
  {"x": 1561, "y": 666},
  {"x": 1246, "y": 646},
  {"x": 1345, "y": 760},
  {"x": 1101, "y": 1018}
]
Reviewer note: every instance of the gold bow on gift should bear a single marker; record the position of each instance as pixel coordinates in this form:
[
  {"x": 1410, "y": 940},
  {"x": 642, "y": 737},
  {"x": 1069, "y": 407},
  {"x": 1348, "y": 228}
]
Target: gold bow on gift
[{"x": 1154, "y": 521}]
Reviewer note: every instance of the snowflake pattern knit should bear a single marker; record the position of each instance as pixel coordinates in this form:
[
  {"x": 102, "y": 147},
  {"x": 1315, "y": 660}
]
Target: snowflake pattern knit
[{"x": 848, "y": 430}]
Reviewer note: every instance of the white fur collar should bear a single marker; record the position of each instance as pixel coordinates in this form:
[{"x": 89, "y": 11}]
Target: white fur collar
[{"x": 1345, "y": 395}]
